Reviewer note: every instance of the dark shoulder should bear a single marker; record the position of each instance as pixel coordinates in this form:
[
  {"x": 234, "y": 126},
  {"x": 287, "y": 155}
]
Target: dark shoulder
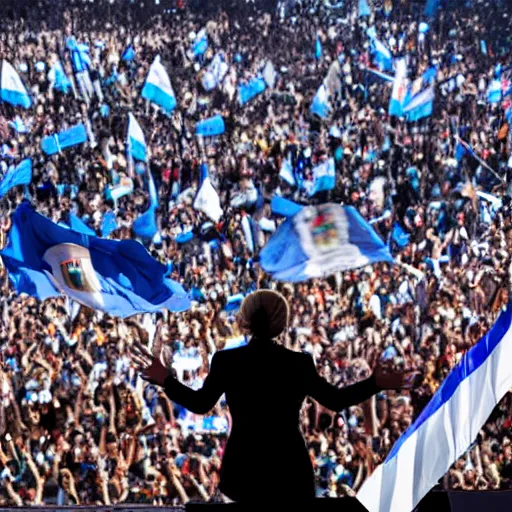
[{"x": 230, "y": 353}]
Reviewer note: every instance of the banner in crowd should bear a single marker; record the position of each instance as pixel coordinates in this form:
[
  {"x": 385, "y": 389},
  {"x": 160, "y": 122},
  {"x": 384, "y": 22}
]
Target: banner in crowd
[
  {"x": 117, "y": 277},
  {"x": 63, "y": 140},
  {"x": 447, "y": 425},
  {"x": 211, "y": 127},
  {"x": 248, "y": 91},
  {"x": 324, "y": 177},
  {"x": 319, "y": 241}
]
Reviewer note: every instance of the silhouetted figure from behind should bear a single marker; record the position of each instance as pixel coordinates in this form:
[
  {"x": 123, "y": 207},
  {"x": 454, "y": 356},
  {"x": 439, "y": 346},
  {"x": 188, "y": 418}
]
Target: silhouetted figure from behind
[{"x": 265, "y": 385}]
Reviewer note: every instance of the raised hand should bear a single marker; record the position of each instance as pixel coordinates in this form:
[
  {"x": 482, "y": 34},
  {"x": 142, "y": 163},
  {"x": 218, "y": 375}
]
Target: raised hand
[
  {"x": 149, "y": 365},
  {"x": 387, "y": 378}
]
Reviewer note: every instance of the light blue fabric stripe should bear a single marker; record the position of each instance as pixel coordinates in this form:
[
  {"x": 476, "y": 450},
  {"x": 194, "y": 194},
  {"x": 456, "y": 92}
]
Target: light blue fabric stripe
[
  {"x": 137, "y": 149},
  {"x": 153, "y": 93},
  {"x": 471, "y": 361},
  {"x": 16, "y": 98}
]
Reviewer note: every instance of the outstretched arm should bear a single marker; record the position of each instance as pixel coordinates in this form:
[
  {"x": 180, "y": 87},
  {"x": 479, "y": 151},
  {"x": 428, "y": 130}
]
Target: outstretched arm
[
  {"x": 333, "y": 398},
  {"x": 198, "y": 401}
]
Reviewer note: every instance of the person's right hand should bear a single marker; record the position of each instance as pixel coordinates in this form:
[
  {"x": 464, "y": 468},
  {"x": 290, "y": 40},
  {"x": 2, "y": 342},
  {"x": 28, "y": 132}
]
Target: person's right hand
[{"x": 149, "y": 365}]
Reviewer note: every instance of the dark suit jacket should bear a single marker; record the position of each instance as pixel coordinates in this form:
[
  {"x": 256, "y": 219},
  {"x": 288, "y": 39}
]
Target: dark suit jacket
[{"x": 265, "y": 386}]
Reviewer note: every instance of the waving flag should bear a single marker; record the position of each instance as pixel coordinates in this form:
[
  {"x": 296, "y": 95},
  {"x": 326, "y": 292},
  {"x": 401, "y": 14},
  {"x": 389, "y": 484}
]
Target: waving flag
[
  {"x": 319, "y": 241},
  {"x": 215, "y": 73},
  {"x": 58, "y": 78},
  {"x": 117, "y": 277},
  {"x": 211, "y": 127},
  {"x": 200, "y": 44},
  {"x": 12, "y": 89},
  {"x": 158, "y": 88},
  {"x": 247, "y": 92},
  {"x": 63, "y": 140},
  {"x": 18, "y": 125},
  {"x": 128, "y": 54},
  {"x": 286, "y": 172},
  {"x": 399, "y": 91},
  {"x": 420, "y": 106},
  {"x": 15, "y": 176},
  {"x": 207, "y": 201},
  {"x": 324, "y": 177},
  {"x": 494, "y": 92},
  {"x": 284, "y": 207},
  {"x": 77, "y": 224},
  {"x": 447, "y": 425},
  {"x": 364, "y": 8},
  {"x": 320, "y": 105},
  {"x": 136, "y": 140},
  {"x": 79, "y": 55},
  {"x": 108, "y": 224},
  {"x": 146, "y": 226},
  {"x": 381, "y": 56}
]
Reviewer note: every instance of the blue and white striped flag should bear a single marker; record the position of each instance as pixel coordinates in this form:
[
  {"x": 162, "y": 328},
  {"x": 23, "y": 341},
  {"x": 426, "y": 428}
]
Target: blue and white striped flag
[
  {"x": 200, "y": 44},
  {"x": 286, "y": 172},
  {"x": 398, "y": 94},
  {"x": 158, "y": 88},
  {"x": 319, "y": 241},
  {"x": 324, "y": 177},
  {"x": 381, "y": 55},
  {"x": 15, "y": 176},
  {"x": 447, "y": 426},
  {"x": 12, "y": 89},
  {"x": 320, "y": 105},
  {"x": 136, "y": 141},
  {"x": 215, "y": 73},
  {"x": 421, "y": 105},
  {"x": 494, "y": 92}
]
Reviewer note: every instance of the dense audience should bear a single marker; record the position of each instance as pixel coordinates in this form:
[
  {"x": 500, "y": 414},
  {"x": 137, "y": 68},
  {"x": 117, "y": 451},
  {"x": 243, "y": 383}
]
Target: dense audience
[{"x": 77, "y": 425}]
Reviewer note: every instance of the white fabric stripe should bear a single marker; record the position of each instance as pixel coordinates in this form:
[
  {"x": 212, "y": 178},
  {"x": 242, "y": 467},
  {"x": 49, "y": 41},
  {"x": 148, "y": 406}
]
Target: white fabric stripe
[
  {"x": 421, "y": 99},
  {"x": 442, "y": 439},
  {"x": 134, "y": 130}
]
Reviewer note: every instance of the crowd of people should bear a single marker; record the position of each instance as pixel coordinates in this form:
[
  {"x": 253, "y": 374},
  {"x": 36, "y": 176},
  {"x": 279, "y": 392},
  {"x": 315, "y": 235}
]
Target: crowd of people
[{"x": 77, "y": 425}]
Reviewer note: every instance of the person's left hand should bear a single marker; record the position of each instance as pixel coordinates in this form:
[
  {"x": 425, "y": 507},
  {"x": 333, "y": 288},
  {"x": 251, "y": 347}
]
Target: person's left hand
[{"x": 150, "y": 366}]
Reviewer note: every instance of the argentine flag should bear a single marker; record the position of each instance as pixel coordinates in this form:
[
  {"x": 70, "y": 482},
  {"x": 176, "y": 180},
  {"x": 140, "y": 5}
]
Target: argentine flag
[
  {"x": 421, "y": 105},
  {"x": 494, "y": 92},
  {"x": 158, "y": 88},
  {"x": 136, "y": 141},
  {"x": 207, "y": 201},
  {"x": 58, "y": 78},
  {"x": 382, "y": 56},
  {"x": 119, "y": 278},
  {"x": 447, "y": 426},
  {"x": 399, "y": 91},
  {"x": 215, "y": 73},
  {"x": 12, "y": 89},
  {"x": 319, "y": 241},
  {"x": 324, "y": 177}
]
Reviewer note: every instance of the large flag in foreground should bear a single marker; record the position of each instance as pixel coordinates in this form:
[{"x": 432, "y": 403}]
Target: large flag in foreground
[
  {"x": 321, "y": 240},
  {"x": 158, "y": 88},
  {"x": 117, "y": 277},
  {"x": 447, "y": 426}
]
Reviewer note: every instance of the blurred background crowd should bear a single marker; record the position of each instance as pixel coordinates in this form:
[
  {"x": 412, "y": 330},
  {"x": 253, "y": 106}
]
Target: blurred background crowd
[{"x": 77, "y": 426}]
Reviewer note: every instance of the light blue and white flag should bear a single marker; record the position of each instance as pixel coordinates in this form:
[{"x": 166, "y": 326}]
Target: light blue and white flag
[
  {"x": 136, "y": 141},
  {"x": 211, "y": 127},
  {"x": 420, "y": 106},
  {"x": 284, "y": 207},
  {"x": 324, "y": 177},
  {"x": 58, "y": 78},
  {"x": 215, "y": 73},
  {"x": 145, "y": 226},
  {"x": 494, "y": 92},
  {"x": 200, "y": 44},
  {"x": 18, "y": 125},
  {"x": 12, "y": 89},
  {"x": 286, "y": 172},
  {"x": 15, "y": 176},
  {"x": 320, "y": 241},
  {"x": 320, "y": 105},
  {"x": 381, "y": 56},
  {"x": 80, "y": 56},
  {"x": 399, "y": 92},
  {"x": 364, "y": 8},
  {"x": 248, "y": 91},
  {"x": 447, "y": 426},
  {"x": 158, "y": 88},
  {"x": 207, "y": 201}
]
